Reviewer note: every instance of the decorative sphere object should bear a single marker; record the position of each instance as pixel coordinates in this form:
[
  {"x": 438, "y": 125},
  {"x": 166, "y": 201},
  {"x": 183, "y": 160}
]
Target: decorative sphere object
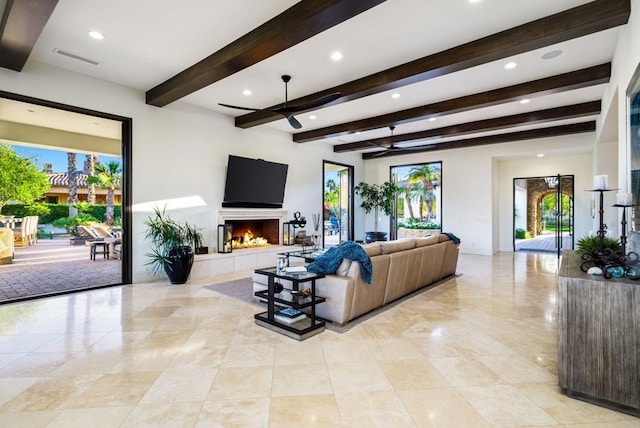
[
  {"x": 277, "y": 287},
  {"x": 595, "y": 270},
  {"x": 616, "y": 271},
  {"x": 633, "y": 273}
]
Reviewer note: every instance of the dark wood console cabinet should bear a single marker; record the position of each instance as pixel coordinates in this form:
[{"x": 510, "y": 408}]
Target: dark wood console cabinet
[{"x": 599, "y": 337}]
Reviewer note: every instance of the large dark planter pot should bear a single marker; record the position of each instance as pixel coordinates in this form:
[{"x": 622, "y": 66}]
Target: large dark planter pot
[
  {"x": 375, "y": 236},
  {"x": 179, "y": 266}
]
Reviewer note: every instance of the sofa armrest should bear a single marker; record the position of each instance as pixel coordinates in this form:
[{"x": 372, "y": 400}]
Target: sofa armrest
[{"x": 338, "y": 290}]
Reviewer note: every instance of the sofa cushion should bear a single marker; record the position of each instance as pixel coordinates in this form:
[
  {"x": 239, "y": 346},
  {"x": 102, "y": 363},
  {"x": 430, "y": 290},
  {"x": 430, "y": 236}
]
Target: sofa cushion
[
  {"x": 343, "y": 269},
  {"x": 389, "y": 247},
  {"x": 427, "y": 240},
  {"x": 372, "y": 249}
]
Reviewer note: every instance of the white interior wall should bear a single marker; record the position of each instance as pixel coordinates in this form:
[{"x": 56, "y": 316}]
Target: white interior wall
[
  {"x": 520, "y": 207},
  {"x": 606, "y": 163},
  {"x": 181, "y": 151}
]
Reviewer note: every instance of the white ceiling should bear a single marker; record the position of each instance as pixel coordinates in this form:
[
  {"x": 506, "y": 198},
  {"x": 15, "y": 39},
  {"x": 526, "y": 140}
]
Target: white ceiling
[{"x": 149, "y": 41}]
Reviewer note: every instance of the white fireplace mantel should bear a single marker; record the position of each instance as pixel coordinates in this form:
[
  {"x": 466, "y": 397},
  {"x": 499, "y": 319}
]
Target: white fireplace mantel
[{"x": 253, "y": 214}]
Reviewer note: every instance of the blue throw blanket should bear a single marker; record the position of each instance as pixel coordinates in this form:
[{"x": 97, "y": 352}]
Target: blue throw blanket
[
  {"x": 331, "y": 259},
  {"x": 453, "y": 237}
]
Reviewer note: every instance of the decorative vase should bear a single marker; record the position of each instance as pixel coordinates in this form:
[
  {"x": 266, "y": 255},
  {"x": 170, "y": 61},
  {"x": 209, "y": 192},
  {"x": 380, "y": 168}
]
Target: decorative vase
[
  {"x": 633, "y": 273},
  {"x": 375, "y": 236},
  {"x": 179, "y": 264}
]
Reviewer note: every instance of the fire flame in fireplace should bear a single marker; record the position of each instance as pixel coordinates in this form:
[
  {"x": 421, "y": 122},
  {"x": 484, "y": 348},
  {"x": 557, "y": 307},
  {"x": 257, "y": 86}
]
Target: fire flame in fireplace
[{"x": 249, "y": 241}]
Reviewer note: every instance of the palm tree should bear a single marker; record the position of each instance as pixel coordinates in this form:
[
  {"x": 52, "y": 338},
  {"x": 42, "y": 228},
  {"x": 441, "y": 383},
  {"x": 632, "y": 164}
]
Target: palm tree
[
  {"x": 406, "y": 190},
  {"x": 428, "y": 179},
  {"x": 107, "y": 177},
  {"x": 89, "y": 170},
  {"x": 73, "y": 179}
]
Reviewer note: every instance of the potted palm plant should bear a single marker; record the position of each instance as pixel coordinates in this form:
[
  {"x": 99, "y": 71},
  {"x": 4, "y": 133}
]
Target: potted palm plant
[
  {"x": 171, "y": 246},
  {"x": 376, "y": 197}
]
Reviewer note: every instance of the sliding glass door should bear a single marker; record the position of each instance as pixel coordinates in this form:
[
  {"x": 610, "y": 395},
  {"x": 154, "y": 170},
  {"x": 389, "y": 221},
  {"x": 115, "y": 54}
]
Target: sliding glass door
[{"x": 337, "y": 210}]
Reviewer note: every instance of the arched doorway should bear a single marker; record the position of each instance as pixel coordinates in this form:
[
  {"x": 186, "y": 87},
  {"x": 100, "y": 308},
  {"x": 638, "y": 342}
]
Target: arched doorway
[{"x": 543, "y": 214}]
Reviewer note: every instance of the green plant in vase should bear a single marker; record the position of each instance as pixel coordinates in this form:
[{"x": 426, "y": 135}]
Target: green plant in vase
[
  {"x": 171, "y": 243},
  {"x": 376, "y": 197}
]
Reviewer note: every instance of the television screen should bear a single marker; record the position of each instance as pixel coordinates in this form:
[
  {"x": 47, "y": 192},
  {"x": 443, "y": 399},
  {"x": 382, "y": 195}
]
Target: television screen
[{"x": 254, "y": 183}]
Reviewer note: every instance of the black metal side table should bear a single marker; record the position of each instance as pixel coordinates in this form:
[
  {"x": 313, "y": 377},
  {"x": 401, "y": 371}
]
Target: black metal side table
[{"x": 302, "y": 329}]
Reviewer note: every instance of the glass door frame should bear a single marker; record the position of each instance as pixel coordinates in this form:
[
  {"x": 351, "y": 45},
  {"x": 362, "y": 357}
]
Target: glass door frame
[
  {"x": 126, "y": 150},
  {"x": 346, "y": 227},
  {"x": 558, "y": 214}
]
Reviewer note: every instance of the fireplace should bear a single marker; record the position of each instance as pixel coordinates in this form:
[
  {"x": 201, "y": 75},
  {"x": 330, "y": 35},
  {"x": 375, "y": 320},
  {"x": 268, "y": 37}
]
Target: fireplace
[
  {"x": 265, "y": 223},
  {"x": 254, "y": 233}
]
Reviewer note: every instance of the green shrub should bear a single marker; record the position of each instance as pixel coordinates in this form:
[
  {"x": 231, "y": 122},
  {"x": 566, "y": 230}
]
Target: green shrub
[
  {"x": 412, "y": 223},
  {"x": 521, "y": 233},
  {"x": 57, "y": 211},
  {"x": 589, "y": 243}
]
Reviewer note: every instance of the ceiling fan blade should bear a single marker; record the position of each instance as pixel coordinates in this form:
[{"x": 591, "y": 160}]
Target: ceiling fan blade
[
  {"x": 320, "y": 101},
  {"x": 294, "y": 122},
  {"x": 410, "y": 148},
  {"x": 238, "y": 107},
  {"x": 380, "y": 153},
  {"x": 310, "y": 105}
]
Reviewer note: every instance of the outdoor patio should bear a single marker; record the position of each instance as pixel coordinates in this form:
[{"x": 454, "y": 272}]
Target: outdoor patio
[
  {"x": 53, "y": 266},
  {"x": 544, "y": 243}
]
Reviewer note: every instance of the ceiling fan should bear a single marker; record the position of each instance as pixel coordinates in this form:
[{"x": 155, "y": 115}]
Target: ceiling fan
[
  {"x": 288, "y": 111},
  {"x": 393, "y": 149}
]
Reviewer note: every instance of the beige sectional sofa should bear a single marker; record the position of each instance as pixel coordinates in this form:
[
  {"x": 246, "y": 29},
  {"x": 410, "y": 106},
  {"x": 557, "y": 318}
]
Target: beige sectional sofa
[{"x": 399, "y": 268}]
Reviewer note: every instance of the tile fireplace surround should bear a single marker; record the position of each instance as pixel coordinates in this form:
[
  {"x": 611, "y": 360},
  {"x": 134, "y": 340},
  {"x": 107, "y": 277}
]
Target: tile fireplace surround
[{"x": 245, "y": 259}]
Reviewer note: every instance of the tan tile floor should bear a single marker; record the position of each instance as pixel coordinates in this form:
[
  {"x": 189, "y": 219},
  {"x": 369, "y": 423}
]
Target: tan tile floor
[{"x": 477, "y": 351}]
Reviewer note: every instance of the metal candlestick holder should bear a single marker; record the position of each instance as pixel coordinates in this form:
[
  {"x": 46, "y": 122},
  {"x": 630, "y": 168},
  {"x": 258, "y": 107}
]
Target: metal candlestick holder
[{"x": 612, "y": 263}]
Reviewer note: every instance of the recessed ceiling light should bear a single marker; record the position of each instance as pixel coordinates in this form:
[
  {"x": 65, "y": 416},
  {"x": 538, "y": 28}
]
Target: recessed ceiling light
[
  {"x": 475, "y": 1},
  {"x": 432, "y": 119},
  {"x": 552, "y": 54},
  {"x": 395, "y": 95},
  {"x": 540, "y": 155},
  {"x": 510, "y": 65},
  {"x": 247, "y": 92},
  {"x": 336, "y": 56},
  {"x": 313, "y": 117},
  {"x": 96, "y": 35},
  {"x": 525, "y": 101},
  {"x": 358, "y": 132}
]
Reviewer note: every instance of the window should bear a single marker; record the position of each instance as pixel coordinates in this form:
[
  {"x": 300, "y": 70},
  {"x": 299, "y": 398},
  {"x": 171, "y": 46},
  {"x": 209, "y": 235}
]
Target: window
[{"x": 419, "y": 202}]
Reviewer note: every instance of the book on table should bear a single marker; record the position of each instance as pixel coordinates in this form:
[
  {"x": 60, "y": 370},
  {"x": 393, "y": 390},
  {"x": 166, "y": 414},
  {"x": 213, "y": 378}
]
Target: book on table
[{"x": 289, "y": 315}]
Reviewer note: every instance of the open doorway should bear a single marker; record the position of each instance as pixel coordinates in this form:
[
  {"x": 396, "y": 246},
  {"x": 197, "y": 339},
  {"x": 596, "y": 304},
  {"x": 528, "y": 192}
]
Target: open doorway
[
  {"x": 46, "y": 265},
  {"x": 337, "y": 198},
  {"x": 543, "y": 219}
]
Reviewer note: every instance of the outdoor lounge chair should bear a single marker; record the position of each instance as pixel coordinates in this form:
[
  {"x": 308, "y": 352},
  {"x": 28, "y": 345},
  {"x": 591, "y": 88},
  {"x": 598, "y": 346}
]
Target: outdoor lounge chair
[
  {"x": 20, "y": 235},
  {"x": 32, "y": 229}
]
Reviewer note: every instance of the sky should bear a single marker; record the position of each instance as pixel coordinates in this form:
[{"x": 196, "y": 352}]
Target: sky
[{"x": 57, "y": 158}]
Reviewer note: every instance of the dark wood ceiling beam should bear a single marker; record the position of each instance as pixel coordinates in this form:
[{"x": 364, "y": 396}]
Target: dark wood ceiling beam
[
  {"x": 596, "y": 75},
  {"x": 531, "y": 118},
  {"x": 301, "y": 21},
  {"x": 579, "y": 21},
  {"x": 554, "y": 131},
  {"x": 21, "y": 25}
]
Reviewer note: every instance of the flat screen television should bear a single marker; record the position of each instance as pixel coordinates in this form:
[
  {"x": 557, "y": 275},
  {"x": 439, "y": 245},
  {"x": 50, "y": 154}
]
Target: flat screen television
[{"x": 254, "y": 183}]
